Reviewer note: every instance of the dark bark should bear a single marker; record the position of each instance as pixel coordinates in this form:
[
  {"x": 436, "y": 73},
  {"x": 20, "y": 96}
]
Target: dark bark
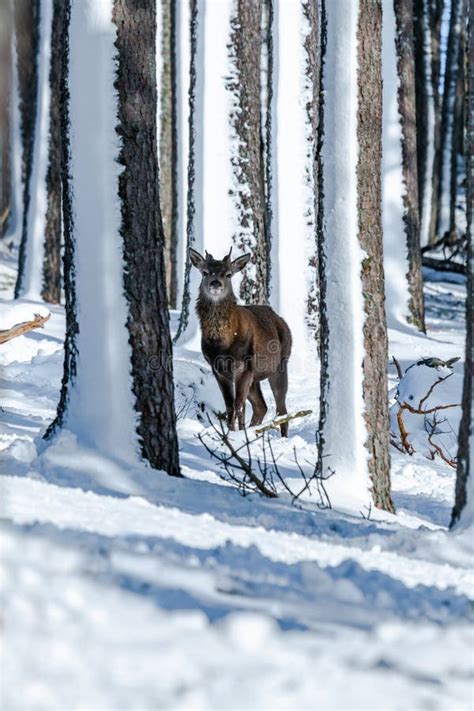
[
  {"x": 26, "y": 28},
  {"x": 191, "y": 177},
  {"x": 448, "y": 115},
  {"x": 168, "y": 144},
  {"x": 435, "y": 14},
  {"x": 457, "y": 147},
  {"x": 142, "y": 233},
  {"x": 312, "y": 45},
  {"x": 52, "y": 239},
  {"x": 249, "y": 165},
  {"x": 423, "y": 93},
  {"x": 5, "y": 77},
  {"x": 369, "y": 192},
  {"x": 464, "y": 470},
  {"x": 69, "y": 268},
  {"x": 407, "y": 111},
  {"x": 268, "y": 27}
]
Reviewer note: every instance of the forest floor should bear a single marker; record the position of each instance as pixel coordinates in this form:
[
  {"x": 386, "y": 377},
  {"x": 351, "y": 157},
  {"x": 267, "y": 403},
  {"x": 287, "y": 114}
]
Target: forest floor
[{"x": 134, "y": 590}]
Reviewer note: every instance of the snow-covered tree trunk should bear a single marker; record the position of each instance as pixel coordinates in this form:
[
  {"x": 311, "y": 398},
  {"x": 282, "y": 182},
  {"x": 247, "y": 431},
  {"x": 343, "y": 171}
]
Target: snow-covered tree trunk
[
  {"x": 191, "y": 174},
  {"x": 425, "y": 115},
  {"x": 26, "y": 18},
  {"x": 448, "y": 118},
  {"x": 296, "y": 192},
  {"x": 402, "y": 259},
  {"x": 457, "y": 215},
  {"x": 354, "y": 427},
  {"x": 435, "y": 15},
  {"x": 117, "y": 392},
  {"x": 53, "y": 227},
  {"x": 32, "y": 253},
  {"x": 167, "y": 88},
  {"x": 5, "y": 93},
  {"x": 463, "y": 511},
  {"x": 248, "y": 163}
]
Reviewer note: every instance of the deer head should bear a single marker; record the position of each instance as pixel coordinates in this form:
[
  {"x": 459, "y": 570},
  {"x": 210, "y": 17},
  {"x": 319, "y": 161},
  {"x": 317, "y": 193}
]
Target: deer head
[{"x": 217, "y": 274}]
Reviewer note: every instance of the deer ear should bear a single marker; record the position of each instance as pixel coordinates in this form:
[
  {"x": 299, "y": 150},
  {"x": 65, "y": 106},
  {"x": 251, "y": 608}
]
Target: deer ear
[
  {"x": 238, "y": 264},
  {"x": 197, "y": 260}
]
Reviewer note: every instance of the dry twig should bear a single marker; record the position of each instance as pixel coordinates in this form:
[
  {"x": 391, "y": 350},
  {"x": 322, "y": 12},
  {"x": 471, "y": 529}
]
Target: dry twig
[{"x": 19, "y": 329}]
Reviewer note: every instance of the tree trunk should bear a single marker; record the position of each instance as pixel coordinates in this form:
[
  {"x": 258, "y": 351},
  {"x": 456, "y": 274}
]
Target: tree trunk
[
  {"x": 5, "y": 93},
  {"x": 142, "y": 233},
  {"x": 268, "y": 110},
  {"x": 52, "y": 238},
  {"x": 193, "y": 204},
  {"x": 26, "y": 31},
  {"x": 435, "y": 15},
  {"x": 457, "y": 148},
  {"x": 463, "y": 510},
  {"x": 369, "y": 195},
  {"x": 448, "y": 119},
  {"x": 168, "y": 142},
  {"x": 423, "y": 96},
  {"x": 407, "y": 109},
  {"x": 248, "y": 164},
  {"x": 354, "y": 423},
  {"x": 117, "y": 392}
]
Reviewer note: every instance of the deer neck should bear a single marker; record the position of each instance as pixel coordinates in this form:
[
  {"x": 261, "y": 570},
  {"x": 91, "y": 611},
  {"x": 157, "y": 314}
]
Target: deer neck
[{"x": 216, "y": 317}]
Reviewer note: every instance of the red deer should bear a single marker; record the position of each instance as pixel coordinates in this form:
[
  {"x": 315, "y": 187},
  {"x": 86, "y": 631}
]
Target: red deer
[{"x": 243, "y": 344}]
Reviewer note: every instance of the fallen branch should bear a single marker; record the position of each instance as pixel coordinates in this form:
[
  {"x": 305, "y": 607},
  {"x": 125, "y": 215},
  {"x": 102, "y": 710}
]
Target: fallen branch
[
  {"x": 21, "y": 328},
  {"x": 275, "y": 424},
  {"x": 442, "y": 265}
]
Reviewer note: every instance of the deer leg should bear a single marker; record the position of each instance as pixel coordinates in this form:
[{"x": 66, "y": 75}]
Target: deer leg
[
  {"x": 226, "y": 385},
  {"x": 242, "y": 388},
  {"x": 259, "y": 406},
  {"x": 279, "y": 385}
]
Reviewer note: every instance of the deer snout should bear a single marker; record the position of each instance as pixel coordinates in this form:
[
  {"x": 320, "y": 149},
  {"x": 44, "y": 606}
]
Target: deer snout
[{"x": 215, "y": 284}]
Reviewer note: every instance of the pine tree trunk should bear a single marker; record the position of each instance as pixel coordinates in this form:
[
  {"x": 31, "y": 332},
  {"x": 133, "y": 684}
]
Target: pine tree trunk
[
  {"x": 193, "y": 211},
  {"x": 353, "y": 437},
  {"x": 448, "y": 119},
  {"x": 142, "y": 233},
  {"x": 464, "y": 479},
  {"x": 435, "y": 14},
  {"x": 268, "y": 108},
  {"x": 52, "y": 245},
  {"x": 117, "y": 389},
  {"x": 168, "y": 142},
  {"x": 422, "y": 93},
  {"x": 457, "y": 147},
  {"x": 249, "y": 166},
  {"x": 407, "y": 109},
  {"x": 369, "y": 192},
  {"x": 26, "y": 28},
  {"x": 5, "y": 148}
]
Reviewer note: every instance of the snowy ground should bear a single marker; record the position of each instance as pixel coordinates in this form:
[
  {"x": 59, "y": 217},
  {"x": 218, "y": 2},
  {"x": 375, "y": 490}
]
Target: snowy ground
[{"x": 186, "y": 595}]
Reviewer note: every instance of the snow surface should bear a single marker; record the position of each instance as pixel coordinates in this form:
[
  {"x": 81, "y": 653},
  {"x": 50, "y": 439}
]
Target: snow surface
[
  {"x": 32, "y": 277},
  {"x": 124, "y": 588},
  {"x": 344, "y": 431},
  {"x": 393, "y": 186},
  {"x": 100, "y": 410}
]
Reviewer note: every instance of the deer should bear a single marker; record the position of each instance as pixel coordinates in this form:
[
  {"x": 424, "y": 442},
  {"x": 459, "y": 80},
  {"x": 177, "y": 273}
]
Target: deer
[{"x": 243, "y": 344}]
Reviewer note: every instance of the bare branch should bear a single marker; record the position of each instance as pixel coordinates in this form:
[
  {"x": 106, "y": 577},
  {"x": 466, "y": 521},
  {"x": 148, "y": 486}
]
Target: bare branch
[
  {"x": 275, "y": 424},
  {"x": 19, "y": 329}
]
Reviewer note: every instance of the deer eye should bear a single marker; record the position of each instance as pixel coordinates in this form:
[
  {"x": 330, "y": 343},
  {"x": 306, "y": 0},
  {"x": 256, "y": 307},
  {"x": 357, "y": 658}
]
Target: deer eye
[
  {"x": 228, "y": 275},
  {"x": 205, "y": 273}
]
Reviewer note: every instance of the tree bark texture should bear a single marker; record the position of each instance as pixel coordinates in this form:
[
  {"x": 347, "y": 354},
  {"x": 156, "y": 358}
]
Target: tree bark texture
[
  {"x": 369, "y": 192},
  {"x": 5, "y": 74},
  {"x": 168, "y": 143},
  {"x": 26, "y": 28},
  {"x": 443, "y": 217},
  {"x": 268, "y": 28},
  {"x": 459, "y": 123},
  {"x": 142, "y": 233},
  {"x": 249, "y": 166},
  {"x": 313, "y": 49},
  {"x": 422, "y": 92},
  {"x": 191, "y": 176},
  {"x": 52, "y": 239},
  {"x": 435, "y": 15},
  {"x": 464, "y": 469},
  {"x": 69, "y": 269},
  {"x": 407, "y": 111}
]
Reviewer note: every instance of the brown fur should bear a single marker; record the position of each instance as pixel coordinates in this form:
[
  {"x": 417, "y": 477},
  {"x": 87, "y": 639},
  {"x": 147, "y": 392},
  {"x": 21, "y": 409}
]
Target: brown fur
[{"x": 243, "y": 344}]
